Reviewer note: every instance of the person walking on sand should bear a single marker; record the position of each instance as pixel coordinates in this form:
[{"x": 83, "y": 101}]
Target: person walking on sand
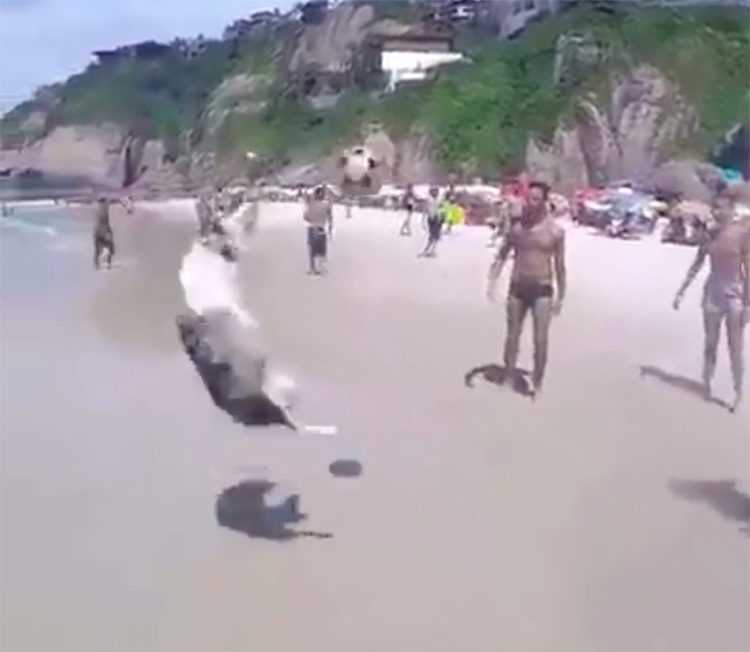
[
  {"x": 726, "y": 293},
  {"x": 448, "y": 205},
  {"x": 433, "y": 221},
  {"x": 319, "y": 218},
  {"x": 104, "y": 238},
  {"x": 407, "y": 202},
  {"x": 537, "y": 243}
]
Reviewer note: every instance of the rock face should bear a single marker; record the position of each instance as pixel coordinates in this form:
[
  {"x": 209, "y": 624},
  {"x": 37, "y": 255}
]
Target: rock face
[
  {"x": 415, "y": 160},
  {"x": 92, "y": 152},
  {"x": 329, "y": 46},
  {"x": 688, "y": 180},
  {"x": 626, "y": 135},
  {"x": 576, "y": 54},
  {"x": 106, "y": 156}
]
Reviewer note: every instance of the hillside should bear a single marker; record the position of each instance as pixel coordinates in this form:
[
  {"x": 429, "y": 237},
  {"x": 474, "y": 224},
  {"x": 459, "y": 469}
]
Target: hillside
[{"x": 509, "y": 102}]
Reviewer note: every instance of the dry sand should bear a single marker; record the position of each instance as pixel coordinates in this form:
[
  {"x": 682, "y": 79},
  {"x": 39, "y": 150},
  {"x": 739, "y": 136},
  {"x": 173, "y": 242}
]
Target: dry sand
[
  {"x": 484, "y": 520},
  {"x": 590, "y": 519}
]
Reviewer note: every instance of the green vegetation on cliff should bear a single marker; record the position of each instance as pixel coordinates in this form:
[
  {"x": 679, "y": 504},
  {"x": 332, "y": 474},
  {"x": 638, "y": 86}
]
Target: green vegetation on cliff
[
  {"x": 478, "y": 113},
  {"x": 155, "y": 98}
]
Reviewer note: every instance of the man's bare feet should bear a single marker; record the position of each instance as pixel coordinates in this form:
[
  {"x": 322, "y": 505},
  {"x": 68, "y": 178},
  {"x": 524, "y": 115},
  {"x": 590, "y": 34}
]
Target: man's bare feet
[{"x": 736, "y": 403}]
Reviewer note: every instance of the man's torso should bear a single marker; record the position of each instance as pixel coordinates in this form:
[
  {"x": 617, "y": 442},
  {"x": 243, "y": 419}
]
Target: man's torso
[
  {"x": 534, "y": 248},
  {"x": 318, "y": 213},
  {"x": 726, "y": 250},
  {"x": 102, "y": 226}
]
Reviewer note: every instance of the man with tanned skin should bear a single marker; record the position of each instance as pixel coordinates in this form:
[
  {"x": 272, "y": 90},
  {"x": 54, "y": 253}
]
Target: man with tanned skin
[
  {"x": 726, "y": 294},
  {"x": 104, "y": 238},
  {"x": 319, "y": 218},
  {"x": 408, "y": 201},
  {"x": 538, "y": 246},
  {"x": 432, "y": 220}
]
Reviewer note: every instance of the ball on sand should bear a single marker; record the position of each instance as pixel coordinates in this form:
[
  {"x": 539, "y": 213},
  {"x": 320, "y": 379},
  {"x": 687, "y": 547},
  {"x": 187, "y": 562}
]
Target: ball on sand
[{"x": 345, "y": 468}]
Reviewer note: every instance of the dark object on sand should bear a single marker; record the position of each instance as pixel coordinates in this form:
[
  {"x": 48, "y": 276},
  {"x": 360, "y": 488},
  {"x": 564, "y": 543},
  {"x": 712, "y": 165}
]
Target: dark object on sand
[
  {"x": 255, "y": 509},
  {"x": 721, "y": 495},
  {"x": 232, "y": 373},
  {"x": 246, "y": 507},
  {"x": 345, "y": 468}
]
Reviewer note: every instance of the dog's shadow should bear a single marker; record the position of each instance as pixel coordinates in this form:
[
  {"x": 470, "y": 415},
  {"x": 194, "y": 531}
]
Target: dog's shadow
[
  {"x": 245, "y": 508},
  {"x": 498, "y": 375},
  {"x": 720, "y": 495},
  {"x": 683, "y": 383}
]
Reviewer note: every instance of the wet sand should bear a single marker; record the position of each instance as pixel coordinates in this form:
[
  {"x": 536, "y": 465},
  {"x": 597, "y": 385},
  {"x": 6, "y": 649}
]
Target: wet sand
[{"x": 606, "y": 515}]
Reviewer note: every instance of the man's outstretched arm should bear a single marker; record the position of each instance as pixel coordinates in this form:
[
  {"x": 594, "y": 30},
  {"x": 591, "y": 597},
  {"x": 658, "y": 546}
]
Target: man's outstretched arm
[
  {"x": 692, "y": 272},
  {"x": 561, "y": 274},
  {"x": 497, "y": 266},
  {"x": 746, "y": 279}
]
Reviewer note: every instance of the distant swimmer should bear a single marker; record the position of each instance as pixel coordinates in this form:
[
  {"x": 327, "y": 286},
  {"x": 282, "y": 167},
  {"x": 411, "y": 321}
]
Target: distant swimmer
[
  {"x": 538, "y": 245},
  {"x": 104, "y": 238},
  {"x": 319, "y": 218},
  {"x": 408, "y": 203},
  {"x": 726, "y": 294},
  {"x": 433, "y": 220}
]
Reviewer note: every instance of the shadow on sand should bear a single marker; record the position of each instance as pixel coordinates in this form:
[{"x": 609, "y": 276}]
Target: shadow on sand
[
  {"x": 497, "y": 375},
  {"x": 687, "y": 385},
  {"x": 721, "y": 495},
  {"x": 247, "y": 507}
]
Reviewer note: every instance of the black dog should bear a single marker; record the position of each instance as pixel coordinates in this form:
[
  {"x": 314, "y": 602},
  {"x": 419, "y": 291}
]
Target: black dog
[{"x": 232, "y": 373}]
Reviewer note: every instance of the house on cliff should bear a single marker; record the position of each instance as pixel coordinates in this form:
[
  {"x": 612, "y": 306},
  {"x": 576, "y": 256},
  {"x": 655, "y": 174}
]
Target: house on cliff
[
  {"x": 412, "y": 56},
  {"x": 138, "y": 51}
]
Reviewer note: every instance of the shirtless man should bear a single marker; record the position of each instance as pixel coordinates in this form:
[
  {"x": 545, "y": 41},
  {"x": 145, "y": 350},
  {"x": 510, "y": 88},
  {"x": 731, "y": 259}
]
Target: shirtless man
[
  {"x": 432, "y": 220},
  {"x": 726, "y": 294},
  {"x": 408, "y": 202},
  {"x": 538, "y": 245},
  {"x": 319, "y": 218},
  {"x": 104, "y": 239}
]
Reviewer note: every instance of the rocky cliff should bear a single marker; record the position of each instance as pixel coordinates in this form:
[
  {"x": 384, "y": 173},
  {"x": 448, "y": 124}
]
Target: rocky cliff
[
  {"x": 627, "y": 132},
  {"x": 579, "y": 97}
]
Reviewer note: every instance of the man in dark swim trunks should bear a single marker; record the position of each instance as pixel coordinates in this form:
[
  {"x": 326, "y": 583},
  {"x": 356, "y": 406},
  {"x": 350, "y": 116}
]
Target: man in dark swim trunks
[
  {"x": 104, "y": 239},
  {"x": 538, "y": 245},
  {"x": 319, "y": 218},
  {"x": 726, "y": 294},
  {"x": 433, "y": 221},
  {"x": 408, "y": 201}
]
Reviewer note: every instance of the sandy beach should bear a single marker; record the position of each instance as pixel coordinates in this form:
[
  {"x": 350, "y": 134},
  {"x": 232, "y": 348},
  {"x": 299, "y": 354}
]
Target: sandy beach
[{"x": 610, "y": 514}]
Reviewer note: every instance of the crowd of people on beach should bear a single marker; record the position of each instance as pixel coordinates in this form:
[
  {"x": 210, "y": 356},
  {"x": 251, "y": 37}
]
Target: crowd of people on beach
[{"x": 526, "y": 228}]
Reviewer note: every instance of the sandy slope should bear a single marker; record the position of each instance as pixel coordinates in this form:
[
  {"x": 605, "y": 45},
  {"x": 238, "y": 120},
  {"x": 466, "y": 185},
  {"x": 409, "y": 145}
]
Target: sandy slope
[
  {"x": 589, "y": 520},
  {"x": 484, "y": 520}
]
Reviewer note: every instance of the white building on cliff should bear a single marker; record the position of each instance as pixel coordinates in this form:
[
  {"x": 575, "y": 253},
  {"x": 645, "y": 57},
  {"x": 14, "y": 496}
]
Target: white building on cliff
[{"x": 411, "y": 57}]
